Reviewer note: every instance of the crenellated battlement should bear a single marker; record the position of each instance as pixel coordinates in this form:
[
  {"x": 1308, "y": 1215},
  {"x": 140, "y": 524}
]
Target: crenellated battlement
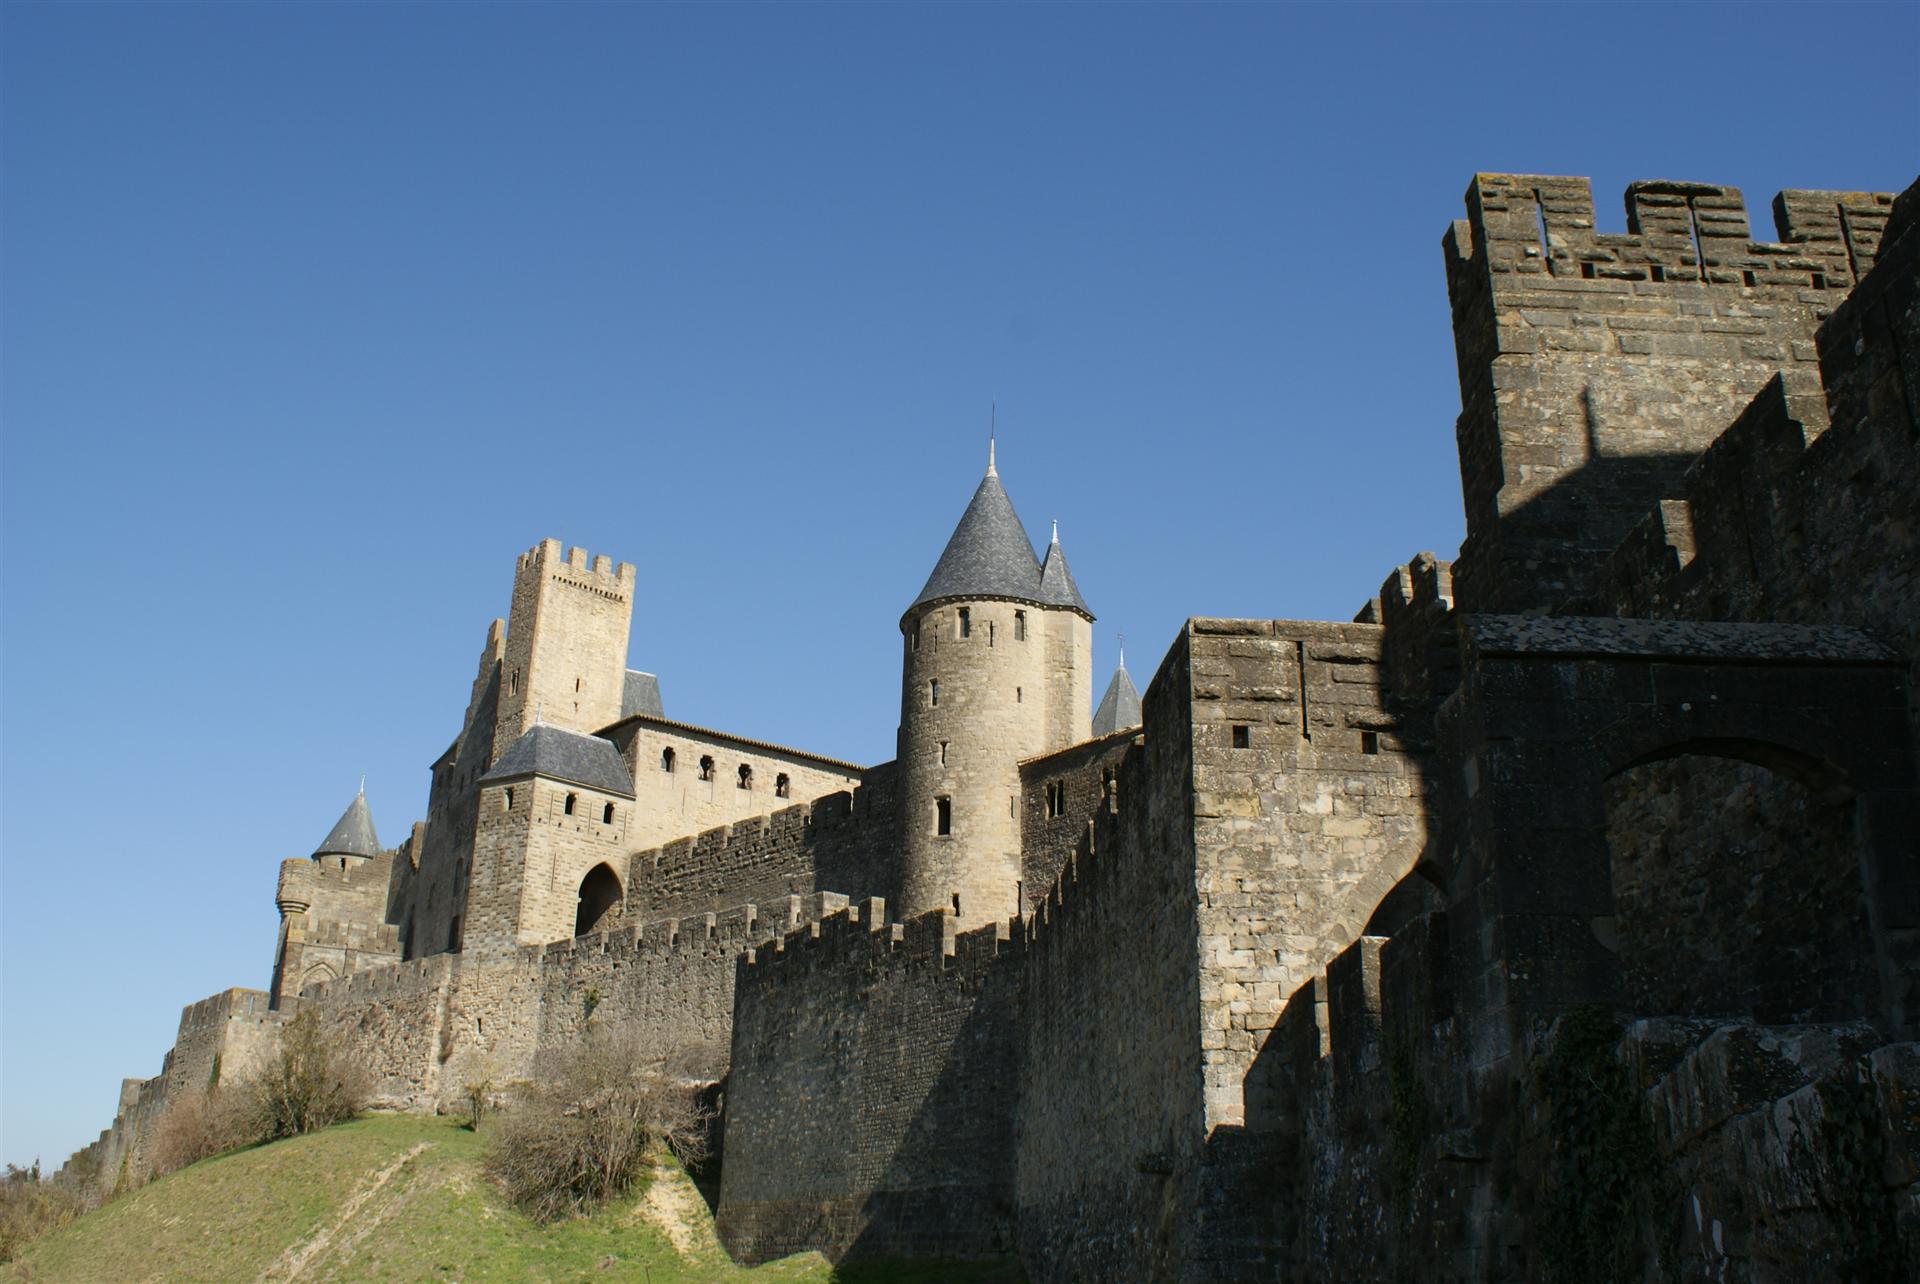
[
  {"x": 1678, "y": 232},
  {"x": 594, "y": 572},
  {"x": 861, "y": 931}
]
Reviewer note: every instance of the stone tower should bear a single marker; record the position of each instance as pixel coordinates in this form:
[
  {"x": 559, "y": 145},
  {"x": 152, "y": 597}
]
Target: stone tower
[
  {"x": 566, "y": 649},
  {"x": 997, "y": 668}
]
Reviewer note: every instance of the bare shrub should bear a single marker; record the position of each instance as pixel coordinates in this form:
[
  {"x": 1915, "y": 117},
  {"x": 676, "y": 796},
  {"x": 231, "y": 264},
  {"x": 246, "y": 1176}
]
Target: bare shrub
[
  {"x": 30, "y": 1207},
  {"x": 304, "y": 1087},
  {"x": 199, "y": 1126},
  {"x": 583, "y": 1130}
]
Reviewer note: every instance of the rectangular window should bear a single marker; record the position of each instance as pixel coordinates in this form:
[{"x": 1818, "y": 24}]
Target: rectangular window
[
  {"x": 966, "y": 623},
  {"x": 1019, "y": 626},
  {"x": 916, "y": 635},
  {"x": 1019, "y": 696},
  {"x": 933, "y": 692},
  {"x": 943, "y": 753},
  {"x": 943, "y": 816},
  {"x": 1240, "y": 737}
]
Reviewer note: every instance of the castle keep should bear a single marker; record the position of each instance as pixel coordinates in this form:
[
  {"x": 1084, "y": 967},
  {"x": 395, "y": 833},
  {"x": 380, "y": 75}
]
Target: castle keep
[{"x": 1561, "y": 906}]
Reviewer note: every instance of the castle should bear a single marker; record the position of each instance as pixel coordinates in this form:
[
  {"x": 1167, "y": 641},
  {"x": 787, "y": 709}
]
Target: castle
[{"x": 1562, "y": 906}]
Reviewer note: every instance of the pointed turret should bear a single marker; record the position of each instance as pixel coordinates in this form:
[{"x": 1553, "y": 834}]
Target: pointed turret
[
  {"x": 1120, "y": 706},
  {"x": 1056, "y": 581},
  {"x": 998, "y": 660},
  {"x": 352, "y": 834}
]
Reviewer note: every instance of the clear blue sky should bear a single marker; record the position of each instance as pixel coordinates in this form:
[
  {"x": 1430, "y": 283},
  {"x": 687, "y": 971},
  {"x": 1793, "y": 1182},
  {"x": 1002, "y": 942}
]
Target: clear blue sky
[{"x": 315, "y": 316}]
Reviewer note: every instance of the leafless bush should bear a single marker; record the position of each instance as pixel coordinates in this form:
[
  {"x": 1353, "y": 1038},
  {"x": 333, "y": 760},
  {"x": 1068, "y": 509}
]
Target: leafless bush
[
  {"x": 304, "y": 1087},
  {"x": 199, "y": 1126},
  {"x": 29, "y": 1207},
  {"x": 582, "y": 1131}
]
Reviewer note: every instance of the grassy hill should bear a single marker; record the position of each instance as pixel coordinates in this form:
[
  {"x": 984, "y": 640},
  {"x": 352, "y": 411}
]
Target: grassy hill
[{"x": 401, "y": 1197}]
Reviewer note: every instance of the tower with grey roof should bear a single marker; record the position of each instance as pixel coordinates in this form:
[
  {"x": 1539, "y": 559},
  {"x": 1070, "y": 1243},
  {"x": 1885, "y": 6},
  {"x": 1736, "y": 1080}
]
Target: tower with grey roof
[{"x": 997, "y": 667}]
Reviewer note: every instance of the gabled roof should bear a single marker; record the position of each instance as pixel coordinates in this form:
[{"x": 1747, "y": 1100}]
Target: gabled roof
[
  {"x": 570, "y": 756},
  {"x": 352, "y": 834},
  {"x": 641, "y": 694},
  {"x": 1119, "y": 707},
  {"x": 989, "y": 555}
]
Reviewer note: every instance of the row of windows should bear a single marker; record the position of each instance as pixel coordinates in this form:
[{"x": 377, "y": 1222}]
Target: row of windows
[
  {"x": 569, "y": 807},
  {"x": 963, "y": 628},
  {"x": 743, "y": 778}
]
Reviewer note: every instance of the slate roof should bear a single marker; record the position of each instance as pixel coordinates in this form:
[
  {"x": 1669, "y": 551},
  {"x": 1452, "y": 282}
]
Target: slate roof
[
  {"x": 641, "y": 694},
  {"x": 352, "y": 834},
  {"x": 989, "y": 555},
  {"x": 1119, "y": 707},
  {"x": 571, "y": 756},
  {"x": 1056, "y": 582}
]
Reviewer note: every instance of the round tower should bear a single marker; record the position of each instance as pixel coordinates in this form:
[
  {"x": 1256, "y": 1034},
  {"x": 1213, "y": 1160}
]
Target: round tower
[{"x": 998, "y": 651}]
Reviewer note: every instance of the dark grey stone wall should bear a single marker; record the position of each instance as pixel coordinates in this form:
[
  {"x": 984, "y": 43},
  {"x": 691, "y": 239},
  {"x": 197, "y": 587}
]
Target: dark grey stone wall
[
  {"x": 1087, "y": 776},
  {"x": 870, "y": 1104}
]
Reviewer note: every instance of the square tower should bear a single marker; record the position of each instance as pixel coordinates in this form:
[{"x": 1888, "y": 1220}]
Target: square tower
[{"x": 566, "y": 650}]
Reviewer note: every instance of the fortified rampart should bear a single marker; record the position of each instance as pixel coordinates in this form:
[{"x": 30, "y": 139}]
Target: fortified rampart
[{"x": 1580, "y": 874}]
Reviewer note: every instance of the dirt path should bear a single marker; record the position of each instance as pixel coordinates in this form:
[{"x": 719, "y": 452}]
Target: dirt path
[{"x": 292, "y": 1264}]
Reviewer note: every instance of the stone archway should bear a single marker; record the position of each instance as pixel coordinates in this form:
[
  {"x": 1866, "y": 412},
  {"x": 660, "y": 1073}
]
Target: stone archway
[
  {"x": 1737, "y": 884},
  {"x": 600, "y": 894}
]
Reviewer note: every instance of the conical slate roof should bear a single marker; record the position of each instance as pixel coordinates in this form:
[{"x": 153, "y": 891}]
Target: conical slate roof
[
  {"x": 989, "y": 555},
  {"x": 571, "y": 756},
  {"x": 1056, "y": 581},
  {"x": 1119, "y": 707},
  {"x": 352, "y": 834}
]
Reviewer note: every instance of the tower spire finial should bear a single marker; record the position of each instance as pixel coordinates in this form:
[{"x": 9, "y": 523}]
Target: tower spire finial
[
  {"x": 993, "y": 426},
  {"x": 1123, "y": 649},
  {"x": 363, "y": 784},
  {"x": 1056, "y": 530}
]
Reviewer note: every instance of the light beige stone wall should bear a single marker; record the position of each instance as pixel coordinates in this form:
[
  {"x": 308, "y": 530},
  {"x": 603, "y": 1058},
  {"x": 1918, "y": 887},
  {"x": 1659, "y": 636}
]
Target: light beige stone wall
[
  {"x": 1001, "y": 698},
  {"x": 530, "y": 856},
  {"x": 678, "y": 803},
  {"x": 566, "y": 652}
]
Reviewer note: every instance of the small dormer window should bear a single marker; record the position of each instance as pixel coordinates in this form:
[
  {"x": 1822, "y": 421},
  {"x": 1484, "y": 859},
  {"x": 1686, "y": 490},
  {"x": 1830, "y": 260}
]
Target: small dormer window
[
  {"x": 706, "y": 766},
  {"x": 571, "y": 800},
  {"x": 606, "y": 814},
  {"x": 666, "y": 759}
]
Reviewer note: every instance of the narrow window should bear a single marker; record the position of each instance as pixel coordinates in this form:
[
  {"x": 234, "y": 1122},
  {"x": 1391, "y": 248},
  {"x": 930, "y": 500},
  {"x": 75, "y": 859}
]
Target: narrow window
[
  {"x": 1240, "y": 737},
  {"x": 933, "y": 691},
  {"x": 943, "y": 816},
  {"x": 1106, "y": 782},
  {"x": 507, "y": 799},
  {"x": 1369, "y": 742},
  {"x": 746, "y": 776},
  {"x": 1019, "y": 626},
  {"x": 966, "y": 622},
  {"x": 782, "y": 786},
  {"x": 956, "y": 905},
  {"x": 1655, "y": 272},
  {"x": 1013, "y": 805},
  {"x": 453, "y": 933},
  {"x": 576, "y": 685},
  {"x": 571, "y": 800},
  {"x": 943, "y": 753},
  {"x": 989, "y": 632},
  {"x": 706, "y": 766},
  {"x": 916, "y": 635},
  {"x": 666, "y": 759},
  {"x": 1019, "y": 696},
  {"x": 606, "y": 814}
]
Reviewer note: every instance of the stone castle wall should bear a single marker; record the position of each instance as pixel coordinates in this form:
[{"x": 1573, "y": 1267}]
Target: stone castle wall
[
  {"x": 671, "y": 797},
  {"x": 836, "y": 842},
  {"x": 870, "y": 1103},
  {"x": 1060, "y": 793},
  {"x": 1594, "y": 368},
  {"x": 566, "y": 650}
]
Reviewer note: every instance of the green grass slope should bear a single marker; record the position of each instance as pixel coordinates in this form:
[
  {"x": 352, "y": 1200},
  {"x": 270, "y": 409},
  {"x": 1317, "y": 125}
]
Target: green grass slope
[{"x": 401, "y": 1197}]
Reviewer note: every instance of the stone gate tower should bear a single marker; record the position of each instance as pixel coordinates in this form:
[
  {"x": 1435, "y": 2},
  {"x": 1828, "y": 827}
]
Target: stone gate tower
[{"x": 998, "y": 667}]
